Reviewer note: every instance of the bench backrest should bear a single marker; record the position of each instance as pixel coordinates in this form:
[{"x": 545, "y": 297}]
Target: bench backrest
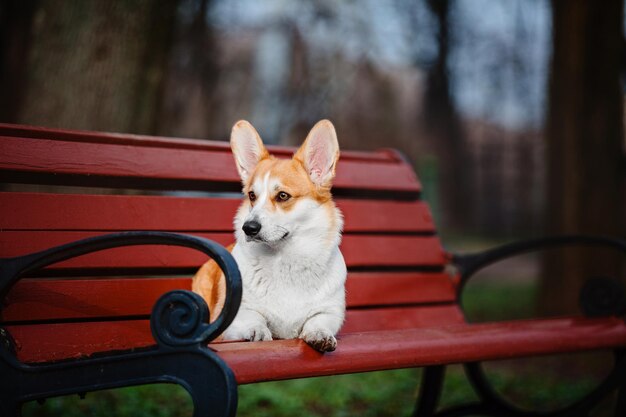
[{"x": 61, "y": 186}]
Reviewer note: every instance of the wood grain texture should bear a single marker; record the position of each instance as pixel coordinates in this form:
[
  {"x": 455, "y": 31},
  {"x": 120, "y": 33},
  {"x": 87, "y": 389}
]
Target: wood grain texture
[
  {"x": 55, "y": 341},
  {"x": 356, "y": 352},
  {"x": 43, "y": 211},
  {"x": 79, "y": 299},
  {"x": 34, "y": 300},
  {"x": 394, "y": 288},
  {"x": 358, "y": 251},
  {"x": 49, "y": 157},
  {"x": 361, "y": 352},
  {"x": 397, "y": 318},
  {"x": 42, "y": 342},
  {"x": 36, "y": 132}
]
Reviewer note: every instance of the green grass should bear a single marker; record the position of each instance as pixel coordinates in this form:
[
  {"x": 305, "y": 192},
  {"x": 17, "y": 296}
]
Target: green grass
[
  {"x": 541, "y": 384},
  {"x": 373, "y": 394},
  {"x": 492, "y": 302},
  {"x": 389, "y": 393},
  {"x": 147, "y": 400}
]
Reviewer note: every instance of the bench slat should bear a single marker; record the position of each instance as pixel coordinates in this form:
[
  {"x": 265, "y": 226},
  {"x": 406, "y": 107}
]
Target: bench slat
[
  {"x": 397, "y": 318},
  {"x": 358, "y": 251},
  {"x": 39, "y": 342},
  {"x": 39, "y": 211},
  {"x": 357, "y": 352},
  {"x": 61, "y": 299},
  {"x": 36, "y": 132},
  {"x": 193, "y": 169},
  {"x": 361, "y": 352},
  {"x": 396, "y": 288}
]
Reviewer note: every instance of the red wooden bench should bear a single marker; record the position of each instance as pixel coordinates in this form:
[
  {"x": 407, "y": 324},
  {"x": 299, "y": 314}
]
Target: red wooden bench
[{"x": 91, "y": 313}]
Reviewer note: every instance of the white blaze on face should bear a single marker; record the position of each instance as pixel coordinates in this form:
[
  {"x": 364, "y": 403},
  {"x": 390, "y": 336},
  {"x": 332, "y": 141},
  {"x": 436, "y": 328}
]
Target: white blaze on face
[
  {"x": 261, "y": 190},
  {"x": 274, "y": 221}
]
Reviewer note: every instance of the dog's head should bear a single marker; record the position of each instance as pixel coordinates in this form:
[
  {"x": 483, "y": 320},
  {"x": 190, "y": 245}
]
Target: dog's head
[{"x": 286, "y": 198}]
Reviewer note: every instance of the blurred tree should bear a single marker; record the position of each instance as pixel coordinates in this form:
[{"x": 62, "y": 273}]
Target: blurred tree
[
  {"x": 442, "y": 123},
  {"x": 430, "y": 25},
  {"x": 16, "y": 17},
  {"x": 193, "y": 70},
  {"x": 97, "y": 65},
  {"x": 585, "y": 136}
]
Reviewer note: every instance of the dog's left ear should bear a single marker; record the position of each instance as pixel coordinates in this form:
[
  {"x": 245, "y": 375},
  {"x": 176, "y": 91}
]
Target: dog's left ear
[{"x": 319, "y": 153}]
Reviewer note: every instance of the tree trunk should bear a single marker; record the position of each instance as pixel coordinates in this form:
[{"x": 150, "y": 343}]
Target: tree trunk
[
  {"x": 16, "y": 18},
  {"x": 443, "y": 126},
  {"x": 190, "y": 107},
  {"x": 585, "y": 134},
  {"x": 97, "y": 65}
]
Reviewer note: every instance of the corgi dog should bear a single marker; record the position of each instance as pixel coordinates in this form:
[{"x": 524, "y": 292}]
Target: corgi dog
[{"x": 287, "y": 232}]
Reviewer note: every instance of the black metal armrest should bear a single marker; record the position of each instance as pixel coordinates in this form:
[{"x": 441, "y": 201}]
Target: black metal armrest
[
  {"x": 179, "y": 324},
  {"x": 468, "y": 264}
]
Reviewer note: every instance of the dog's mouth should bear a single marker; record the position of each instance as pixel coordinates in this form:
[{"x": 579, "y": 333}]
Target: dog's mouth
[{"x": 261, "y": 239}]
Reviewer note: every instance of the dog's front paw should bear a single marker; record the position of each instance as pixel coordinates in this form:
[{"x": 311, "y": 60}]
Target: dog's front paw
[
  {"x": 252, "y": 333},
  {"x": 321, "y": 340},
  {"x": 257, "y": 333}
]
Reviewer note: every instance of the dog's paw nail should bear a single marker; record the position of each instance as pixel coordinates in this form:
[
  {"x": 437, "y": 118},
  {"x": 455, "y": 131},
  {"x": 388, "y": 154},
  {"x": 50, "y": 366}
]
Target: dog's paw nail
[
  {"x": 321, "y": 341},
  {"x": 258, "y": 334}
]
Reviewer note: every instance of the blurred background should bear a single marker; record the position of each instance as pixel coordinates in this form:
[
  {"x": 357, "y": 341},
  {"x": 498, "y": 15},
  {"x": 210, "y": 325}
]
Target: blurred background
[{"x": 511, "y": 111}]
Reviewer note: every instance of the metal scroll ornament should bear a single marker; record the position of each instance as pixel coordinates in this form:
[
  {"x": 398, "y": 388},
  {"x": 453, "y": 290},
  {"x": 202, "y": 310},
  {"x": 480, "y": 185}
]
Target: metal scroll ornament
[{"x": 179, "y": 318}]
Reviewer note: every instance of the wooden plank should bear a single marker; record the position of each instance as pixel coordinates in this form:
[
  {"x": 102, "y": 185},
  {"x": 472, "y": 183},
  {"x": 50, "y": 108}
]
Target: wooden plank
[
  {"x": 393, "y": 349},
  {"x": 148, "y": 256},
  {"x": 50, "y": 342},
  {"x": 395, "y": 251},
  {"x": 49, "y": 157},
  {"x": 35, "y": 211},
  {"x": 37, "y": 132},
  {"x": 386, "y": 216},
  {"x": 63, "y": 299},
  {"x": 397, "y": 318},
  {"x": 39, "y": 342},
  {"x": 34, "y": 300},
  {"x": 356, "y": 352},
  {"x": 41, "y": 211},
  {"x": 358, "y": 251},
  {"x": 393, "y": 288}
]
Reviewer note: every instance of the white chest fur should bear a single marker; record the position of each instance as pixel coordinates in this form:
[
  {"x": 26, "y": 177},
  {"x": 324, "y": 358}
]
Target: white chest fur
[{"x": 288, "y": 286}]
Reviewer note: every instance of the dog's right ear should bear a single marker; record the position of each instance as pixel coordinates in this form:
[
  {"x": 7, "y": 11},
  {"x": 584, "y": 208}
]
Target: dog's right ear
[{"x": 247, "y": 147}]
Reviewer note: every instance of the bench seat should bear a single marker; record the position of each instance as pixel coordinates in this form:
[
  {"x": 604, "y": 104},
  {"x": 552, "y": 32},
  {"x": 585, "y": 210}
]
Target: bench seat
[
  {"x": 392, "y": 349},
  {"x": 362, "y": 351}
]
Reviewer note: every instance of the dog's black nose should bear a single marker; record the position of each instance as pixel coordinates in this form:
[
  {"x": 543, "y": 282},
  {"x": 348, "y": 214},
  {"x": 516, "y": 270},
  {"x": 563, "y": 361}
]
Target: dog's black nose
[{"x": 251, "y": 228}]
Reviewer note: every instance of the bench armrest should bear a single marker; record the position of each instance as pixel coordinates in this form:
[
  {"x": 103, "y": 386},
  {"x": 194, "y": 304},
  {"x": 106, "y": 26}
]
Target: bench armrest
[
  {"x": 179, "y": 324},
  {"x": 170, "y": 316},
  {"x": 468, "y": 264}
]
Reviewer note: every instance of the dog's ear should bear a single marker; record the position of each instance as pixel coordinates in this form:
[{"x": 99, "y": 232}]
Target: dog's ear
[
  {"x": 247, "y": 147},
  {"x": 319, "y": 153}
]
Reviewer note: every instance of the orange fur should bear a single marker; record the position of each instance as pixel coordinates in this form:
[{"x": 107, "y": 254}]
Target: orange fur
[
  {"x": 294, "y": 180},
  {"x": 210, "y": 283}
]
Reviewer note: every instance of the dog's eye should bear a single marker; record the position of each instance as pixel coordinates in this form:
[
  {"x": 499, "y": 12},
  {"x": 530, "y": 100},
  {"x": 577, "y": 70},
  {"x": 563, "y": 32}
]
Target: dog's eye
[
  {"x": 252, "y": 196},
  {"x": 282, "y": 196}
]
